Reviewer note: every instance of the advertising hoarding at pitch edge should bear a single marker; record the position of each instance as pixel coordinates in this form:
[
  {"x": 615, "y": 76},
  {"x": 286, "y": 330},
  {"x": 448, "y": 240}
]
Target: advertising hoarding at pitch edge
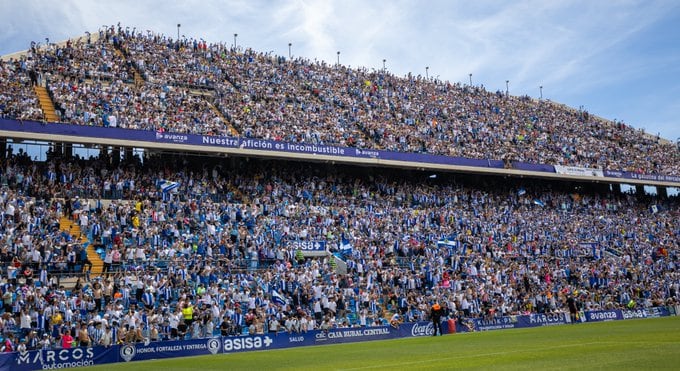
[{"x": 78, "y": 357}]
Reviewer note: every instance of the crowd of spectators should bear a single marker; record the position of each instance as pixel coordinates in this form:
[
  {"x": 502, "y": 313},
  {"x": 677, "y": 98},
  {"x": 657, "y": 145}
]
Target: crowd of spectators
[
  {"x": 17, "y": 98},
  {"x": 91, "y": 83},
  {"x": 262, "y": 95},
  {"x": 217, "y": 256}
]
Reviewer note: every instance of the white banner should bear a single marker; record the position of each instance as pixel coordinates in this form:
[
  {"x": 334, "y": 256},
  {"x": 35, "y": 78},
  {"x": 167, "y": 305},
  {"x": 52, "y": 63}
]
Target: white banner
[{"x": 580, "y": 171}]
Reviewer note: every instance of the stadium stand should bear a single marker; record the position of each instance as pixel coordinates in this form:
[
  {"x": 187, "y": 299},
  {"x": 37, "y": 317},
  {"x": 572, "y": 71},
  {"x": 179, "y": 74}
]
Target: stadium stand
[
  {"x": 92, "y": 82},
  {"x": 16, "y": 96},
  {"x": 173, "y": 245},
  {"x": 407, "y": 240}
]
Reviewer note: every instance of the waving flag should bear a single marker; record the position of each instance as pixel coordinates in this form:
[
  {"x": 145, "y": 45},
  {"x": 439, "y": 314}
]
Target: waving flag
[
  {"x": 278, "y": 298},
  {"x": 447, "y": 243},
  {"x": 168, "y": 186},
  {"x": 345, "y": 245}
]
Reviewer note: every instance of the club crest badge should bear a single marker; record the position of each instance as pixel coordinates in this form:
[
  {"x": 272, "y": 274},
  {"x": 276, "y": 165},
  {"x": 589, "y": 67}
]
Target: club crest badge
[
  {"x": 213, "y": 346},
  {"x": 128, "y": 352}
]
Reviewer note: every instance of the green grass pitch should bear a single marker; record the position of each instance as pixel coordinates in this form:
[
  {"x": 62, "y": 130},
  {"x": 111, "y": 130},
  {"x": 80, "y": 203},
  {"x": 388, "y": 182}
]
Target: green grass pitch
[{"x": 651, "y": 344}]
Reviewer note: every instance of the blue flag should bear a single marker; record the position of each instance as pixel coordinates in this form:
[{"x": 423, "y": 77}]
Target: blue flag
[
  {"x": 168, "y": 186},
  {"x": 447, "y": 243},
  {"x": 345, "y": 245},
  {"x": 278, "y": 298}
]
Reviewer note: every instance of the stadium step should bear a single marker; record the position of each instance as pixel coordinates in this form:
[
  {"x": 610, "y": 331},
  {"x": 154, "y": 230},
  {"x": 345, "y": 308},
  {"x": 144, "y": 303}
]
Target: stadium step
[
  {"x": 219, "y": 114},
  {"x": 46, "y": 104},
  {"x": 363, "y": 131},
  {"x": 66, "y": 224},
  {"x": 239, "y": 195},
  {"x": 137, "y": 75},
  {"x": 139, "y": 80}
]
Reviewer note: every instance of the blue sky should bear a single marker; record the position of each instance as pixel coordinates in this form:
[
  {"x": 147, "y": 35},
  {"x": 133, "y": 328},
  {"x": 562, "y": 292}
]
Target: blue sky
[{"x": 618, "y": 59}]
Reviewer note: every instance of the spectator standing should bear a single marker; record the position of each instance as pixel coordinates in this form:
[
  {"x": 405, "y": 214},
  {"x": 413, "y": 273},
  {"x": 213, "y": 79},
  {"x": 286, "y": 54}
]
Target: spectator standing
[
  {"x": 66, "y": 339},
  {"x": 436, "y": 313}
]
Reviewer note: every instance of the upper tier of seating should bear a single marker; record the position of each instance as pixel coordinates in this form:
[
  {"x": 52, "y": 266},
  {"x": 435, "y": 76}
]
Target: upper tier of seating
[{"x": 266, "y": 96}]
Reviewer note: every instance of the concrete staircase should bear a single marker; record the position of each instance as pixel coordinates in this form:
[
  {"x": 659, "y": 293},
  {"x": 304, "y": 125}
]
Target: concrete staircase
[
  {"x": 66, "y": 224},
  {"x": 240, "y": 195},
  {"x": 49, "y": 111},
  {"x": 219, "y": 114},
  {"x": 138, "y": 78}
]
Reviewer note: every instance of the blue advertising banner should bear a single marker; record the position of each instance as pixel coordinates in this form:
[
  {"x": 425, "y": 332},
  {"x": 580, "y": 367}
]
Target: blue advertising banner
[
  {"x": 532, "y": 167},
  {"x": 59, "y": 358},
  {"x": 497, "y": 323},
  {"x": 169, "y": 349},
  {"x": 523, "y": 321},
  {"x": 655, "y": 312},
  {"x": 95, "y": 132},
  {"x": 416, "y": 329},
  {"x": 318, "y": 337},
  {"x": 315, "y": 246},
  {"x": 350, "y": 335},
  {"x": 638, "y": 176},
  {"x": 77, "y": 357},
  {"x": 427, "y": 328},
  {"x": 7, "y": 361},
  {"x": 603, "y": 315}
]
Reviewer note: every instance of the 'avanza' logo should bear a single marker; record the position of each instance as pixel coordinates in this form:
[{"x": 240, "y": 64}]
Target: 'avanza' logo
[{"x": 602, "y": 316}]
